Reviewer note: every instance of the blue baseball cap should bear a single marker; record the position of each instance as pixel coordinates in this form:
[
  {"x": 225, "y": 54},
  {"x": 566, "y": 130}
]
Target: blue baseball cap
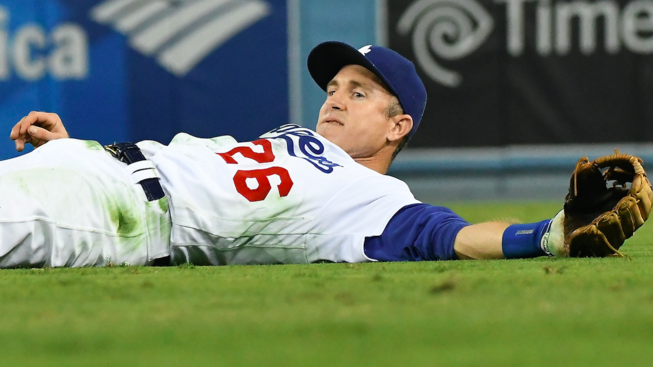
[{"x": 397, "y": 72}]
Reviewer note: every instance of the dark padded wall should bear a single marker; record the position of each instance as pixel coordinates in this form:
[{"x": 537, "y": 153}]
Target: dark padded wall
[{"x": 529, "y": 71}]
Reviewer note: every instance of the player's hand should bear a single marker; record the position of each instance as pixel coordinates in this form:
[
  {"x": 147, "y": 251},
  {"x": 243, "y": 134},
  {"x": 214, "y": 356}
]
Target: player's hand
[{"x": 37, "y": 128}]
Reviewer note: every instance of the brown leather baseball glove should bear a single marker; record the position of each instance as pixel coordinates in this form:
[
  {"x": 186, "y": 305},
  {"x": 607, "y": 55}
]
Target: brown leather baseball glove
[{"x": 609, "y": 199}]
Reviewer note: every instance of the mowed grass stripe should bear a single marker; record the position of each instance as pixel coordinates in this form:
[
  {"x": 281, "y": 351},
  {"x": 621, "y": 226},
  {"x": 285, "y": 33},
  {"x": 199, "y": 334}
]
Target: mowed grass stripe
[{"x": 579, "y": 312}]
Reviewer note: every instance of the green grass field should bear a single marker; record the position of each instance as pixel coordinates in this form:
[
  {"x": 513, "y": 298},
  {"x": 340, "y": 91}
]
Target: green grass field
[{"x": 539, "y": 312}]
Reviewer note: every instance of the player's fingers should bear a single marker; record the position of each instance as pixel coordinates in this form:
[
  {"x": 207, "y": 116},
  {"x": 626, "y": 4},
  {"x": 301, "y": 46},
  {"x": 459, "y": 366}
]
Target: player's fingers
[
  {"x": 19, "y": 138},
  {"x": 52, "y": 123},
  {"x": 28, "y": 121},
  {"x": 20, "y": 145},
  {"x": 40, "y": 135},
  {"x": 48, "y": 127},
  {"x": 21, "y": 141},
  {"x": 48, "y": 121},
  {"x": 20, "y": 129},
  {"x": 15, "y": 131}
]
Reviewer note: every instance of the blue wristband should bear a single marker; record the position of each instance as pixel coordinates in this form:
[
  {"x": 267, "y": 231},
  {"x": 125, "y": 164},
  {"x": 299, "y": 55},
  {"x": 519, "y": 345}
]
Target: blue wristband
[{"x": 522, "y": 241}]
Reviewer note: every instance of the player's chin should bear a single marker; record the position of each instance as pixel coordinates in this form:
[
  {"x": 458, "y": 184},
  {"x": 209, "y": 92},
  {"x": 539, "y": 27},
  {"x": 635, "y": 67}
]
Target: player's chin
[
  {"x": 331, "y": 133},
  {"x": 329, "y": 128}
]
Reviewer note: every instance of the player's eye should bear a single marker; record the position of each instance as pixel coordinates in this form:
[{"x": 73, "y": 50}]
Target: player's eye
[
  {"x": 331, "y": 92},
  {"x": 358, "y": 95}
]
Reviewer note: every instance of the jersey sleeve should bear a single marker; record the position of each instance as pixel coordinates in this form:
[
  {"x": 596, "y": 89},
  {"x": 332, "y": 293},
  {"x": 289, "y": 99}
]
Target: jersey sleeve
[{"x": 417, "y": 232}]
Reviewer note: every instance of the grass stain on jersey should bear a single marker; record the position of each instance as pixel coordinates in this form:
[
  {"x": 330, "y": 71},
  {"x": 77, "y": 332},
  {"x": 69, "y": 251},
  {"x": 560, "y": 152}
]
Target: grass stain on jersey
[
  {"x": 93, "y": 145},
  {"x": 127, "y": 224},
  {"x": 163, "y": 204},
  {"x": 21, "y": 183}
]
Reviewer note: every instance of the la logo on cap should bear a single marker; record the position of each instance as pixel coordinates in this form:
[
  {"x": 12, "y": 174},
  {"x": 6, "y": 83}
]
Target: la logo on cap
[{"x": 365, "y": 49}]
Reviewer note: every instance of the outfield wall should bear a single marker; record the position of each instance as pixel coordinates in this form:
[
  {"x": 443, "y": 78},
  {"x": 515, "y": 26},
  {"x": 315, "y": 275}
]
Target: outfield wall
[{"x": 535, "y": 172}]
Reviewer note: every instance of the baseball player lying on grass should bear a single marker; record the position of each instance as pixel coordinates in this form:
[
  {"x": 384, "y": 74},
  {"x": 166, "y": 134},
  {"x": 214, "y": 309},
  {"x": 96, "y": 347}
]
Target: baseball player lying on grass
[{"x": 293, "y": 196}]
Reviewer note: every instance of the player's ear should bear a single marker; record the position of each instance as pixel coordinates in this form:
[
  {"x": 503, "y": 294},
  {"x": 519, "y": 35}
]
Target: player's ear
[{"x": 402, "y": 124}]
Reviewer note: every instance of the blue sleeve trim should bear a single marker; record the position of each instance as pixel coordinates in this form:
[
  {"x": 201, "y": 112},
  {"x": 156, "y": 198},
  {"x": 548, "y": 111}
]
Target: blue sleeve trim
[
  {"x": 522, "y": 241},
  {"x": 417, "y": 232}
]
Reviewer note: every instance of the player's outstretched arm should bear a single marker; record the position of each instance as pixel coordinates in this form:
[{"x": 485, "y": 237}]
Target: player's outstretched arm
[
  {"x": 480, "y": 241},
  {"x": 420, "y": 232},
  {"x": 609, "y": 199},
  {"x": 37, "y": 128}
]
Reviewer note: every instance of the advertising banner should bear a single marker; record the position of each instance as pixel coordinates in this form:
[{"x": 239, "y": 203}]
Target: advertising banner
[
  {"x": 118, "y": 70},
  {"x": 502, "y": 72}
]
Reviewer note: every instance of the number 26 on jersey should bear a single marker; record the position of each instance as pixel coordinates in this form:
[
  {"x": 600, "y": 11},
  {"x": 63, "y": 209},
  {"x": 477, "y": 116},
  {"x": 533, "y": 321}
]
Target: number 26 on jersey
[{"x": 261, "y": 176}]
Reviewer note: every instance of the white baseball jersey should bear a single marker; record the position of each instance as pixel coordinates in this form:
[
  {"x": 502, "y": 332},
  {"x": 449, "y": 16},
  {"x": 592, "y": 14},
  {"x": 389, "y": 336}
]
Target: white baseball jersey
[{"x": 290, "y": 197}]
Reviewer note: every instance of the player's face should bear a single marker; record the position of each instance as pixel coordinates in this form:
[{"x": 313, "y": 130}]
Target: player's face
[{"x": 354, "y": 113}]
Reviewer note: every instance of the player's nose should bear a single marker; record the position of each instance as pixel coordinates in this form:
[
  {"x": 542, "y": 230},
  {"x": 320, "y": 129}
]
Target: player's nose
[{"x": 335, "y": 101}]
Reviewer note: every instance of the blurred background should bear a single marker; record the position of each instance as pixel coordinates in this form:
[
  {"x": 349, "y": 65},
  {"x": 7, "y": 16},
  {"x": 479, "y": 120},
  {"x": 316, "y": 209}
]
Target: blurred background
[{"x": 518, "y": 90}]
